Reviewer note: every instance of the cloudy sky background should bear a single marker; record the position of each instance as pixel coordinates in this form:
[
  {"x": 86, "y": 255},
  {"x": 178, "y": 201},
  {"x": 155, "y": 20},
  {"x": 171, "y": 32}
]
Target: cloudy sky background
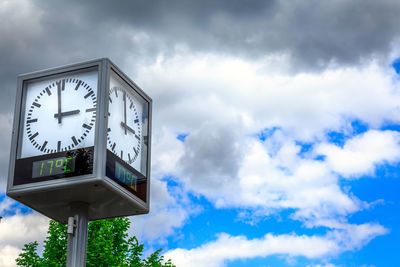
[{"x": 276, "y": 123}]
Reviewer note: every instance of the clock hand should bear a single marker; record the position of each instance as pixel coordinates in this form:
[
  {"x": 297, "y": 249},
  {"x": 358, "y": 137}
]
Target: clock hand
[
  {"x": 124, "y": 97},
  {"x": 67, "y": 113},
  {"x": 59, "y": 101},
  {"x": 126, "y": 127}
]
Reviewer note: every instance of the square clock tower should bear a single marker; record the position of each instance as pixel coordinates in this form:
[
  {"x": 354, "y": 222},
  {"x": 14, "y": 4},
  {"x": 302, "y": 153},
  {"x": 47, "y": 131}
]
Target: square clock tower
[{"x": 81, "y": 133}]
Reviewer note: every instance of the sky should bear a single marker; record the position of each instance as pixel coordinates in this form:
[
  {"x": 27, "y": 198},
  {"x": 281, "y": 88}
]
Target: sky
[{"x": 276, "y": 124}]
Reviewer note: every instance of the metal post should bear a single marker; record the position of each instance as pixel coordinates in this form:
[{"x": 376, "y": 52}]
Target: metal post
[{"x": 77, "y": 235}]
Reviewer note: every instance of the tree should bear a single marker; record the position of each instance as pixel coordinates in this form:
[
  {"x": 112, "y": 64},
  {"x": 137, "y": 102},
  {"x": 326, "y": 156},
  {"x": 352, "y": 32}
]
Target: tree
[{"x": 108, "y": 245}]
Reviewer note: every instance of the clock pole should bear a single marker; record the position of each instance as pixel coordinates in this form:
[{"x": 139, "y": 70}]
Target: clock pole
[{"x": 77, "y": 235}]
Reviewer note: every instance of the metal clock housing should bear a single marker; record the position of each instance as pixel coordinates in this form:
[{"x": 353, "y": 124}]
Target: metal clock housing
[{"x": 81, "y": 134}]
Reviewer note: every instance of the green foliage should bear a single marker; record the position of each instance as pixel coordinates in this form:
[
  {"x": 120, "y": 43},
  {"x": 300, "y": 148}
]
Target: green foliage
[
  {"x": 29, "y": 256},
  {"x": 108, "y": 245},
  {"x": 55, "y": 245}
]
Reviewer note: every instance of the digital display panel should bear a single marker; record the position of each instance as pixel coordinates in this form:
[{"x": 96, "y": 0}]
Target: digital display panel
[
  {"x": 125, "y": 176},
  {"x": 53, "y": 166}
]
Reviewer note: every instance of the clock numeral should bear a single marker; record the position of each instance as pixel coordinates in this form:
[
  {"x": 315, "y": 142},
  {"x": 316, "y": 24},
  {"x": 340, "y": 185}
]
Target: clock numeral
[
  {"x": 87, "y": 126},
  {"x": 43, "y": 146},
  {"x": 58, "y": 146},
  {"x": 33, "y": 136},
  {"x": 48, "y": 91},
  {"x": 122, "y": 154},
  {"x": 136, "y": 121},
  {"x": 136, "y": 152},
  {"x": 88, "y": 94},
  {"x": 77, "y": 86},
  {"x": 32, "y": 120},
  {"x": 113, "y": 146},
  {"x": 130, "y": 107},
  {"x": 74, "y": 140},
  {"x": 36, "y": 104},
  {"x": 129, "y": 157},
  {"x": 90, "y": 109}
]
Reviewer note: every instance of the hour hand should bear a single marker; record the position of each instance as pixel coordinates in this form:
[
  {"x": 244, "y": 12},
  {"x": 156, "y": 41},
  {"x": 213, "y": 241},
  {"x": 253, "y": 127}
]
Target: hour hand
[
  {"x": 67, "y": 113},
  {"x": 126, "y": 127}
]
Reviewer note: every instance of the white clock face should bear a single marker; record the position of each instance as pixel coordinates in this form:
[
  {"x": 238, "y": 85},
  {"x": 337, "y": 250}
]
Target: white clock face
[
  {"x": 124, "y": 137},
  {"x": 59, "y": 114}
]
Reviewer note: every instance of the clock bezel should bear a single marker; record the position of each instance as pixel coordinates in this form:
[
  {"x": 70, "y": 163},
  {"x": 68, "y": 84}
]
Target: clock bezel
[
  {"x": 49, "y": 78},
  {"x": 142, "y": 196}
]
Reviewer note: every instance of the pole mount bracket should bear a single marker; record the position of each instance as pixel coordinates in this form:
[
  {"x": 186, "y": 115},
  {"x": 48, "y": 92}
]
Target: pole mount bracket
[{"x": 71, "y": 225}]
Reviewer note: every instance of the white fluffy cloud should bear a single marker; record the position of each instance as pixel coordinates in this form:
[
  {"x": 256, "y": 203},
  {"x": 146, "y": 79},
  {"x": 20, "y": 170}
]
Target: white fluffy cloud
[
  {"x": 362, "y": 153},
  {"x": 17, "y": 230},
  {"x": 189, "y": 91},
  {"x": 227, "y": 248},
  {"x": 271, "y": 178},
  {"x": 167, "y": 213},
  {"x": 8, "y": 254},
  {"x": 168, "y": 209}
]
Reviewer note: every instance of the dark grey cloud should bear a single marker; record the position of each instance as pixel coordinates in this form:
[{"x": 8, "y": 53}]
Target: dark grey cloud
[
  {"x": 212, "y": 157},
  {"x": 314, "y": 34}
]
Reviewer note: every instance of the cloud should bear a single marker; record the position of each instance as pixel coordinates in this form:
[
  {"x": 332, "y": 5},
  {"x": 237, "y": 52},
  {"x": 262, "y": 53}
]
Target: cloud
[
  {"x": 31, "y": 227},
  {"x": 271, "y": 178},
  {"x": 228, "y": 248},
  {"x": 211, "y": 158},
  {"x": 17, "y": 230},
  {"x": 8, "y": 255},
  {"x": 232, "y": 99},
  {"x": 223, "y": 72},
  {"x": 314, "y": 35},
  {"x": 297, "y": 36},
  {"x": 170, "y": 207},
  {"x": 168, "y": 212},
  {"x": 362, "y": 153},
  {"x": 191, "y": 90}
]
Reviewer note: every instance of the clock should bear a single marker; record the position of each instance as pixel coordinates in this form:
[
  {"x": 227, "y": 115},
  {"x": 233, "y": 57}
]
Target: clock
[
  {"x": 125, "y": 118},
  {"x": 81, "y": 134},
  {"x": 59, "y": 114}
]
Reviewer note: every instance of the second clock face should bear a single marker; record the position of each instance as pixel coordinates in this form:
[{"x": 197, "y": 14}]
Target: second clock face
[
  {"x": 124, "y": 135},
  {"x": 59, "y": 114}
]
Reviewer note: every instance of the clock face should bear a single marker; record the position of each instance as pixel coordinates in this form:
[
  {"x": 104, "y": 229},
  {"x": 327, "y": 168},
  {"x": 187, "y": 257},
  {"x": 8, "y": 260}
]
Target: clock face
[
  {"x": 59, "y": 114},
  {"x": 124, "y": 126},
  {"x": 124, "y": 136}
]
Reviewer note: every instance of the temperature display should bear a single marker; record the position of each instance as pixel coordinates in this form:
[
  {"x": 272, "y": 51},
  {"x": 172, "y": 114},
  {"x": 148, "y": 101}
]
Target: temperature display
[
  {"x": 125, "y": 176},
  {"x": 54, "y": 166}
]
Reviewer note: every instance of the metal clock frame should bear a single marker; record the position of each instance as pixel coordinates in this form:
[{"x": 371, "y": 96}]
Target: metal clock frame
[{"x": 106, "y": 198}]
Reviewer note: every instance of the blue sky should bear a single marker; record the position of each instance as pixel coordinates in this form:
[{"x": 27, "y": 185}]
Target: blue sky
[{"x": 276, "y": 128}]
